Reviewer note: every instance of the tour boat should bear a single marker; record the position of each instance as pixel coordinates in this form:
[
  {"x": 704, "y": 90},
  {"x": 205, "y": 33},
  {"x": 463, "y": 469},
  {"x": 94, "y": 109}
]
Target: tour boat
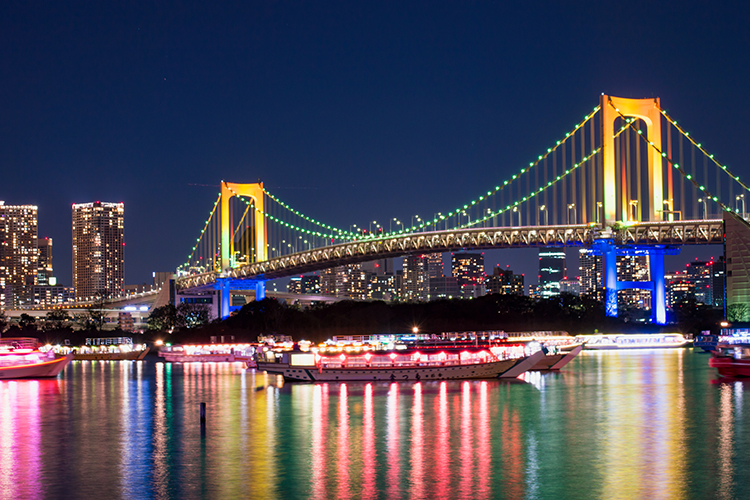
[
  {"x": 555, "y": 359},
  {"x": 633, "y": 341},
  {"x": 20, "y": 358},
  {"x": 706, "y": 341},
  {"x": 202, "y": 353},
  {"x": 405, "y": 364},
  {"x": 105, "y": 349},
  {"x": 731, "y": 359}
]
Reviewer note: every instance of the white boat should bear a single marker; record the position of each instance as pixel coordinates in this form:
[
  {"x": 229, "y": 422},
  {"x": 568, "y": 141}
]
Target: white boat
[
  {"x": 398, "y": 365},
  {"x": 104, "y": 349},
  {"x": 20, "y": 359},
  {"x": 633, "y": 341},
  {"x": 205, "y": 353}
]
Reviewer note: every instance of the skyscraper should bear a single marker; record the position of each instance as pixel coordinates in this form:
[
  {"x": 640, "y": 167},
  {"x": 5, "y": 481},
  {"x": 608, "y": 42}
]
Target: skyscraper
[
  {"x": 19, "y": 255},
  {"x": 469, "y": 269},
  {"x": 44, "y": 271},
  {"x": 552, "y": 269},
  {"x": 416, "y": 278},
  {"x": 590, "y": 272},
  {"x": 98, "y": 253}
]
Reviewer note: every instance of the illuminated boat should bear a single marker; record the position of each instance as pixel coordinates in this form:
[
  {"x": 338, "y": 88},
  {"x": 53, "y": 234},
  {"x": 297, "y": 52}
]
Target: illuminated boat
[
  {"x": 706, "y": 341},
  {"x": 204, "y": 353},
  {"x": 409, "y": 364},
  {"x": 20, "y": 359},
  {"x": 633, "y": 341},
  {"x": 731, "y": 359},
  {"x": 556, "y": 360},
  {"x": 105, "y": 349}
]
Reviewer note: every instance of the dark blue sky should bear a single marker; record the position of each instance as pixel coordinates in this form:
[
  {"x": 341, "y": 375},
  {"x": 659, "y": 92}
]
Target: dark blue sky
[{"x": 349, "y": 111}]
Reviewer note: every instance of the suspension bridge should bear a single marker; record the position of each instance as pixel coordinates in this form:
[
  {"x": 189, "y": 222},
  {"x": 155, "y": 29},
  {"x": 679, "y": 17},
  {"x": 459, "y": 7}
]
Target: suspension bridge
[{"x": 626, "y": 180}]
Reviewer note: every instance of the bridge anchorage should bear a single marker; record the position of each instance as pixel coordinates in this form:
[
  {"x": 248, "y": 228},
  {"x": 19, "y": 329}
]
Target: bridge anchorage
[{"x": 616, "y": 183}]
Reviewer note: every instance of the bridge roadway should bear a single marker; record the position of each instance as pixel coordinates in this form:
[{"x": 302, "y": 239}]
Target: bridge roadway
[{"x": 691, "y": 232}]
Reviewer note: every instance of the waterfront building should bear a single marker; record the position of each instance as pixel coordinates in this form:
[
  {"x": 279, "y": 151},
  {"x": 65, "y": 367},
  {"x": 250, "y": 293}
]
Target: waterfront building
[
  {"x": 380, "y": 267},
  {"x": 351, "y": 281},
  {"x": 382, "y": 287},
  {"x": 678, "y": 287},
  {"x": 98, "y": 249},
  {"x": 415, "y": 284},
  {"x": 328, "y": 281},
  {"x": 701, "y": 275},
  {"x": 552, "y": 270},
  {"x": 591, "y": 276},
  {"x": 52, "y": 295},
  {"x": 634, "y": 268},
  {"x": 445, "y": 287},
  {"x": 434, "y": 265},
  {"x": 504, "y": 281},
  {"x": 304, "y": 285},
  {"x": 718, "y": 285},
  {"x": 19, "y": 255},
  {"x": 572, "y": 286},
  {"x": 468, "y": 268},
  {"x": 44, "y": 273}
]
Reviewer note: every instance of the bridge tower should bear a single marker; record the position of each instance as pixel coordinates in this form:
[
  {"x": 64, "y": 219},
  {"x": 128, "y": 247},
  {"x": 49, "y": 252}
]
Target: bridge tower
[
  {"x": 228, "y": 191},
  {"x": 649, "y": 111}
]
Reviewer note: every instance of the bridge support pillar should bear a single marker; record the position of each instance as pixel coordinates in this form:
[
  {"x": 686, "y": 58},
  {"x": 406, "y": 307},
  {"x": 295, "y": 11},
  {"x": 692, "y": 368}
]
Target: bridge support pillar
[
  {"x": 225, "y": 297},
  {"x": 658, "y": 295},
  {"x": 260, "y": 290},
  {"x": 609, "y": 252}
]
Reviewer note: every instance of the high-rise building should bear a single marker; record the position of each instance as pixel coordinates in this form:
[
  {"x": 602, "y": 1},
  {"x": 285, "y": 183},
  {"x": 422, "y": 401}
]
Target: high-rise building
[
  {"x": 434, "y": 265},
  {"x": 19, "y": 257},
  {"x": 503, "y": 281},
  {"x": 98, "y": 249},
  {"x": 469, "y": 269},
  {"x": 552, "y": 270},
  {"x": 633, "y": 268},
  {"x": 678, "y": 287},
  {"x": 718, "y": 287},
  {"x": 416, "y": 278},
  {"x": 382, "y": 287},
  {"x": 305, "y": 285},
  {"x": 44, "y": 270},
  {"x": 328, "y": 281},
  {"x": 590, "y": 271},
  {"x": 351, "y": 281}
]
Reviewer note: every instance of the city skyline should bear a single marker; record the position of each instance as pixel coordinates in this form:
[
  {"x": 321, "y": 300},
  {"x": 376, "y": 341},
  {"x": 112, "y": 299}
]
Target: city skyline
[{"x": 132, "y": 106}]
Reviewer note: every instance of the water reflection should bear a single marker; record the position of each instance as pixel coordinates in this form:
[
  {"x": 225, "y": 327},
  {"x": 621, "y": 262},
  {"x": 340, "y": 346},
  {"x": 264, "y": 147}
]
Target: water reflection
[{"x": 614, "y": 425}]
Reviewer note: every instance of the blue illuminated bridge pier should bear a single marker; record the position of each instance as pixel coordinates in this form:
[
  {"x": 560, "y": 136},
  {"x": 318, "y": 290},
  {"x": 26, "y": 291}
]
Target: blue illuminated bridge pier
[{"x": 625, "y": 180}]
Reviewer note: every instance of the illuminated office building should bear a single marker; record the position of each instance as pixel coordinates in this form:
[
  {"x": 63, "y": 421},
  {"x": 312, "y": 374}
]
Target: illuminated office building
[
  {"x": 19, "y": 257},
  {"x": 98, "y": 249},
  {"x": 305, "y": 285},
  {"x": 44, "y": 271},
  {"x": 591, "y": 280},
  {"x": 634, "y": 268},
  {"x": 416, "y": 278},
  {"x": 468, "y": 268},
  {"x": 552, "y": 270},
  {"x": 504, "y": 282}
]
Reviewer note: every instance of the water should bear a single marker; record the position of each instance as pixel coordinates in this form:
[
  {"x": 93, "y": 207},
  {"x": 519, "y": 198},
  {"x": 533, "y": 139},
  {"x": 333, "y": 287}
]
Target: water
[{"x": 640, "y": 424}]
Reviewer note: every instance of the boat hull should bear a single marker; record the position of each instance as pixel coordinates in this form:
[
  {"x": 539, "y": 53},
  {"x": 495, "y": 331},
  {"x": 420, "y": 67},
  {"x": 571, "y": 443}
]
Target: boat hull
[
  {"x": 111, "y": 356},
  {"x": 203, "y": 358},
  {"x": 450, "y": 372},
  {"x": 730, "y": 367},
  {"x": 46, "y": 369},
  {"x": 556, "y": 361}
]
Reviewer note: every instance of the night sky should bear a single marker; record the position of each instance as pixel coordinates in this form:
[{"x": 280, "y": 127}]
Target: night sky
[{"x": 350, "y": 112}]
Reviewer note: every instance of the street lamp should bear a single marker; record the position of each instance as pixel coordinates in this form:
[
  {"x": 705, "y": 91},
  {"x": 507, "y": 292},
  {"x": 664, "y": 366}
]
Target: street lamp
[
  {"x": 543, "y": 208},
  {"x": 705, "y": 207},
  {"x": 515, "y": 210},
  {"x": 599, "y": 206},
  {"x": 575, "y": 214},
  {"x": 634, "y": 204},
  {"x": 418, "y": 220},
  {"x": 463, "y": 212},
  {"x": 740, "y": 197}
]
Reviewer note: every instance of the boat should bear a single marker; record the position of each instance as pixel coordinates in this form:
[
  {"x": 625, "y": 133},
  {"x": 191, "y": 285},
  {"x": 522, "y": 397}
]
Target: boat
[
  {"x": 105, "y": 349},
  {"x": 556, "y": 359},
  {"x": 507, "y": 361},
  {"x": 731, "y": 359},
  {"x": 21, "y": 358},
  {"x": 204, "y": 353},
  {"x": 632, "y": 341},
  {"x": 706, "y": 341}
]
